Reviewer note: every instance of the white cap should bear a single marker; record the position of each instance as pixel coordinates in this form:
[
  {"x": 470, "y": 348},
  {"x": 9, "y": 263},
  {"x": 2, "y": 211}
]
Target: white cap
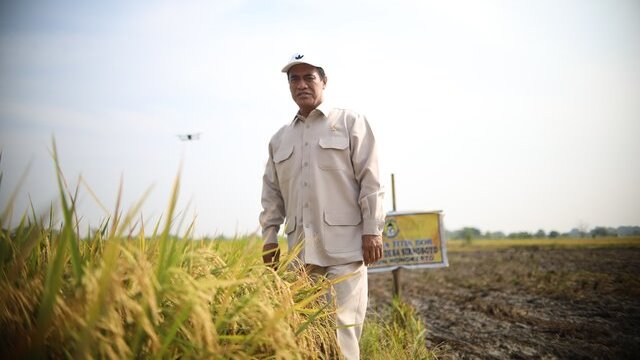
[{"x": 299, "y": 58}]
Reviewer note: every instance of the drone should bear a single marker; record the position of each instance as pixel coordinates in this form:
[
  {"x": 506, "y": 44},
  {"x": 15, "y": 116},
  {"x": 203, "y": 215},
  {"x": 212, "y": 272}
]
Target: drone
[{"x": 189, "y": 137}]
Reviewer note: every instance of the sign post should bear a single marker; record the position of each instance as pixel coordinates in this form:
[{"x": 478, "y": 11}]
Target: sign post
[
  {"x": 411, "y": 240},
  {"x": 396, "y": 272}
]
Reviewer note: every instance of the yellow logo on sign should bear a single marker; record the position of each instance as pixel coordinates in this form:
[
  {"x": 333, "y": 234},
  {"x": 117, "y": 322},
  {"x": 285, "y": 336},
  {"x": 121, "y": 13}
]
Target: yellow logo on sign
[{"x": 391, "y": 229}]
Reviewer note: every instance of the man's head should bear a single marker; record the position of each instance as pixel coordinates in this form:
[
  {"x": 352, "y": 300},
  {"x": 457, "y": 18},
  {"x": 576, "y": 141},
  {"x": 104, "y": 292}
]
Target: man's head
[{"x": 306, "y": 83}]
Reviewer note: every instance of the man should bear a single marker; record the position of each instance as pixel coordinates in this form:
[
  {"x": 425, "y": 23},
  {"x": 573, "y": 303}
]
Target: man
[{"x": 321, "y": 179}]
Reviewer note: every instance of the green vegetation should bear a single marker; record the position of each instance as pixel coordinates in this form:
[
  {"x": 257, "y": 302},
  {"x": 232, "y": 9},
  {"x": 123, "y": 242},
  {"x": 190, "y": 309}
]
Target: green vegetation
[
  {"x": 126, "y": 291},
  {"x": 471, "y": 233},
  {"x": 396, "y": 334},
  {"x": 492, "y": 244}
]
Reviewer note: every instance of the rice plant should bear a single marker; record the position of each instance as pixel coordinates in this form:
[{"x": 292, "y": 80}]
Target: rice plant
[
  {"x": 121, "y": 292},
  {"x": 396, "y": 333},
  {"x": 125, "y": 291}
]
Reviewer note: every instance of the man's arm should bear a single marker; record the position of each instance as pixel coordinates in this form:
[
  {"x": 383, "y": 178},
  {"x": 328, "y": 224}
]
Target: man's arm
[
  {"x": 365, "y": 164},
  {"x": 273, "y": 213}
]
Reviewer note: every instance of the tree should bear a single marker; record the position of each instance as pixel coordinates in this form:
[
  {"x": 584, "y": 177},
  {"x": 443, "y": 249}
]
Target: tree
[
  {"x": 628, "y": 230},
  {"x": 470, "y": 233},
  {"x": 495, "y": 235},
  {"x": 583, "y": 229},
  {"x": 540, "y": 234},
  {"x": 601, "y": 231},
  {"x": 520, "y": 235}
]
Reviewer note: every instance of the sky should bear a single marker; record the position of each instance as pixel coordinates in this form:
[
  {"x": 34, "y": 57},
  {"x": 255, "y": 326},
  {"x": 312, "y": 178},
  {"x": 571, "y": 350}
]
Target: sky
[{"x": 506, "y": 115}]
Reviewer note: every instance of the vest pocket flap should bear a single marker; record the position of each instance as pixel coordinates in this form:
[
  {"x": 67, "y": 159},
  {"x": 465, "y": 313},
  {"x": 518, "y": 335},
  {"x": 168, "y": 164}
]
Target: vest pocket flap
[
  {"x": 342, "y": 218},
  {"x": 283, "y": 153},
  {"x": 334, "y": 142},
  {"x": 290, "y": 225}
]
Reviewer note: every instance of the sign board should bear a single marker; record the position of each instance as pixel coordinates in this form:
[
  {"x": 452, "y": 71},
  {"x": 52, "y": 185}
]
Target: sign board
[{"x": 412, "y": 240}]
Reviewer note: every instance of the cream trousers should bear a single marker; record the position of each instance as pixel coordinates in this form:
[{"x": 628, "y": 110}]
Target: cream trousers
[{"x": 351, "y": 296}]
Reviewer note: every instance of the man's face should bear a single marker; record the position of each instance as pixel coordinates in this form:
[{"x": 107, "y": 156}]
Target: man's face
[{"x": 306, "y": 87}]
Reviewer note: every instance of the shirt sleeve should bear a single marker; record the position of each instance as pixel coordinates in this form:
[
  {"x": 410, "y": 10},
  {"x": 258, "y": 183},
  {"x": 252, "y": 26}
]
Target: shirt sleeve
[
  {"x": 364, "y": 157},
  {"x": 273, "y": 213}
]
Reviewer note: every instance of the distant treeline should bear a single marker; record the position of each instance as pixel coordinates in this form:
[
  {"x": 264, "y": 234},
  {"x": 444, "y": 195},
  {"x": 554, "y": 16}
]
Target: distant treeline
[{"x": 468, "y": 233}]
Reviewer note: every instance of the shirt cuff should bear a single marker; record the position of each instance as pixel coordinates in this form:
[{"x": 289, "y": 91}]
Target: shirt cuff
[
  {"x": 270, "y": 235},
  {"x": 372, "y": 227}
]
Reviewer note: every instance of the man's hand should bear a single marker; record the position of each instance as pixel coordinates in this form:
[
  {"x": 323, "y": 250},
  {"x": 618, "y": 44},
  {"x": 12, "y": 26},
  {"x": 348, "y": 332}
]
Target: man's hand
[
  {"x": 371, "y": 248},
  {"x": 271, "y": 255}
]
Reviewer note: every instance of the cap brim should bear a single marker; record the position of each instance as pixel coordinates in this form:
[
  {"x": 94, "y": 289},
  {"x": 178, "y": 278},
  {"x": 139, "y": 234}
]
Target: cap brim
[{"x": 292, "y": 64}]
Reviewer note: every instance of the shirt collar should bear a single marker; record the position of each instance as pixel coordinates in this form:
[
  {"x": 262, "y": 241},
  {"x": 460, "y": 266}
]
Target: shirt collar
[{"x": 324, "y": 108}]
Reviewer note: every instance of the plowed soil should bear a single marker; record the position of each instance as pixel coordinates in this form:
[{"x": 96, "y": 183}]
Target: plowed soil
[{"x": 526, "y": 302}]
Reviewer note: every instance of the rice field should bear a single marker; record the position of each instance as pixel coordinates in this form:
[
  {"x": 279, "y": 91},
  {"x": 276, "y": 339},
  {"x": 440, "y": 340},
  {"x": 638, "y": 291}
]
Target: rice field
[{"x": 129, "y": 291}]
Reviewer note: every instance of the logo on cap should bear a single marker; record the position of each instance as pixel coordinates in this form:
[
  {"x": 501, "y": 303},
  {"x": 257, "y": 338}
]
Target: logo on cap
[{"x": 298, "y": 57}]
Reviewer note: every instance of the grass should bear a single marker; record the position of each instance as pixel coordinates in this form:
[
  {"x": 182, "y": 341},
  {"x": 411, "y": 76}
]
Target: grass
[
  {"x": 125, "y": 291},
  {"x": 395, "y": 334}
]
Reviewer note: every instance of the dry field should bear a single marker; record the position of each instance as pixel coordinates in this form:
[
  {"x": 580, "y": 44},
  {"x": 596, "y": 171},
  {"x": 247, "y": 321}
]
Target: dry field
[{"x": 504, "y": 299}]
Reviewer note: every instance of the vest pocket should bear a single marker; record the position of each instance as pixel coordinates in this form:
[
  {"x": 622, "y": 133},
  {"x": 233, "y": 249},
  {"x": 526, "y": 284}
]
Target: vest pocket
[
  {"x": 341, "y": 231},
  {"x": 333, "y": 153},
  {"x": 283, "y": 160},
  {"x": 342, "y": 218}
]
